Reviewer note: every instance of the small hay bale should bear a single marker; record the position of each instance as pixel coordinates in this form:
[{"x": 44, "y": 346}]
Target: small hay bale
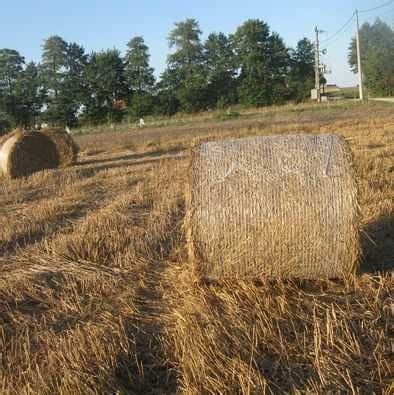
[
  {"x": 67, "y": 148},
  {"x": 276, "y": 206},
  {"x": 24, "y": 153}
]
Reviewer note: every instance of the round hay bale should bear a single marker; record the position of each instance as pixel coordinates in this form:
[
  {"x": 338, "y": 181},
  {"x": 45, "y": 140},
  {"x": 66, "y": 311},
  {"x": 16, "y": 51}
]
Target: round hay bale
[
  {"x": 5, "y": 137},
  {"x": 276, "y": 206},
  {"x": 24, "y": 153},
  {"x": 66, "y": 147}
]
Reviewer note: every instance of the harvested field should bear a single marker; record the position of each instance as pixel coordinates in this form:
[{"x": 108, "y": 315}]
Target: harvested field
[{"x": 97, "y": 295}]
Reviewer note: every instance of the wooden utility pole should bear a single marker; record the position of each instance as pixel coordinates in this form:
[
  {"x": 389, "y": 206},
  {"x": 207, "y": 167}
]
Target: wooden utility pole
[
  {"x": 360, "y": 72},
  {"x": 317, "y": 65}
]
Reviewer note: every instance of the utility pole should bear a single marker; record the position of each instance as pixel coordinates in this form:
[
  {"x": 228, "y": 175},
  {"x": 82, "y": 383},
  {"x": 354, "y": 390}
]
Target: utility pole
[
  {"x": 317, "y": 65},
  {"x": 360, "y": 72}
]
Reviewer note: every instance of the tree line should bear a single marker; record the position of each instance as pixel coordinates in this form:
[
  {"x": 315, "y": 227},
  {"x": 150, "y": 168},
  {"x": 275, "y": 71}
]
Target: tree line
[
  {"x": 377, "y": 57},
  {"x": 252, "y": 67}
]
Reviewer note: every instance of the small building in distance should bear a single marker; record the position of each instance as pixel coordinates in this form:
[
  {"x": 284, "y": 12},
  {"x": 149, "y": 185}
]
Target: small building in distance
[{"x": 331, "y": 88}]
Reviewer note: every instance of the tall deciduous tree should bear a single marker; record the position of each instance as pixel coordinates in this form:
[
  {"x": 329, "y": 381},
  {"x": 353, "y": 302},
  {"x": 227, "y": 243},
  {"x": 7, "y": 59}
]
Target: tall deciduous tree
[
  {"x": 302, "y": 70},
  {"x": 220, "y": 70},
  {"x": 377, "y": 57},
  {"x": 262, "y": 59},
  {"x": 106, "y": 86}
]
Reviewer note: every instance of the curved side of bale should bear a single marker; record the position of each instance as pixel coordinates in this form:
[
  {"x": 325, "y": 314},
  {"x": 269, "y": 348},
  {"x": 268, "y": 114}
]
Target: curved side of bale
[
  {"x": 67, "y": 148},
  {"x": 25, "y": 153},
  {"x": 4, "y": 138},
  {"x": 274, "y": 206}
]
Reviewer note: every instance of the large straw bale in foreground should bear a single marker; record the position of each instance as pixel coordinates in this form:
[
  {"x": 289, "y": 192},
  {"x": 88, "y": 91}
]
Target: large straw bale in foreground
[
  {"x": 66, "y": 147},
  {"x": 275, "y": 206},
  {"x": 24, "y": 153}
]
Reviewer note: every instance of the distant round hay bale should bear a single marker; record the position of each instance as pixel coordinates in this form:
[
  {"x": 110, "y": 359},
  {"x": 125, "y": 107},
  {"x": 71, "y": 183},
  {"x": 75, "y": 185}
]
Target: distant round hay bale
[
  {"x": 24, "y": 153},
  {"x": 66, "y": 146},
  {"x": 276, "y": 206}
]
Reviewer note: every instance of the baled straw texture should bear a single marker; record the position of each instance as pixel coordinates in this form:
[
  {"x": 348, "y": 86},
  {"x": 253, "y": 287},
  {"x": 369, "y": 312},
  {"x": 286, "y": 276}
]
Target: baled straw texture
[
  {"x": 5, "y": 137},
  {"x": 275, "y": 206},
  {"x": 24, "y": 153},
  {"x": 66, "y": 146}
]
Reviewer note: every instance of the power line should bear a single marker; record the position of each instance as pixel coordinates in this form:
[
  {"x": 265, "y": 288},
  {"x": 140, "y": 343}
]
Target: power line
[
  {"x": 341, "y": 29},
  {"x": 377, "y": 8},
  {"x": 351, "y": 18},
  {"x": 338, "y": 37}
]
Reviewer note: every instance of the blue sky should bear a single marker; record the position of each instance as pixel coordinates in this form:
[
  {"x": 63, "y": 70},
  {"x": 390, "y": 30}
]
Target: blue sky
[{"x": 105, "y": 24}]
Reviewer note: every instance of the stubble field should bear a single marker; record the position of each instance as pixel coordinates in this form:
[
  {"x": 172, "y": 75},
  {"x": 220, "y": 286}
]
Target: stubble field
[{"x": 97, "y": 294}]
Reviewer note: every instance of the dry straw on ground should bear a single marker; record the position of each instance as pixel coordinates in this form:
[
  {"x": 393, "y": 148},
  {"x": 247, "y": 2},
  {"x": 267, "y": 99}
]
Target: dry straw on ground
[
  {"x": 24, "y": 153},
  {"x": 276, "y": 206},
  {"x": 66, "y": 147},
  {"x": 96, "y": 294}
]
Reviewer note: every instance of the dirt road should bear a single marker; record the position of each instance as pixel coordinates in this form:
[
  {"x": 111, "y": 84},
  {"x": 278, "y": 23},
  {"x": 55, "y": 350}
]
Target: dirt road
[{"x": 385, "y": 99}]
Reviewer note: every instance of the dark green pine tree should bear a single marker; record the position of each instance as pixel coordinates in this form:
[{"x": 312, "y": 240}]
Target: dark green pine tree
[
  {"x": 30, "y": 96},
  {"x": 139, "y": 77},
  {"x": 11, "y": 66},
  {"x": 138, "y": 73},
  {"x": 59, "y": 110},
  {"x": 54, "y": 58},
  {"x": 74, "y": 85},
  {"x": 184, "y": 77}
]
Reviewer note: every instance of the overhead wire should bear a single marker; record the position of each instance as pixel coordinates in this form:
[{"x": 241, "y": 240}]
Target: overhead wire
[
  {"x": 339, "y": 31},
  {"x": 345, "y": 27},
  {"x": 377, "y": 8},
  {"x": 337, "y": 38}
]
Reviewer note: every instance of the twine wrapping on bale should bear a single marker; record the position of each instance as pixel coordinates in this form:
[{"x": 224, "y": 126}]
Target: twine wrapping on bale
[
  {"x": 24, "y": 153},
  {"x": 276, "y": 206},
  {"x": 66, "y": 147}
]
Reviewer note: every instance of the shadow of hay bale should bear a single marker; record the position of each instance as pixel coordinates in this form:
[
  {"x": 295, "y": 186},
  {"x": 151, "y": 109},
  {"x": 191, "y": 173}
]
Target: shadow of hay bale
[{"x": 377, "y": 242}]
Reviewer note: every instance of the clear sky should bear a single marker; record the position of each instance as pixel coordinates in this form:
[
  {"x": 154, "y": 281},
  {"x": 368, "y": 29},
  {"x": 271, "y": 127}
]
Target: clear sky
[{"x": 105, "y": 24}]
